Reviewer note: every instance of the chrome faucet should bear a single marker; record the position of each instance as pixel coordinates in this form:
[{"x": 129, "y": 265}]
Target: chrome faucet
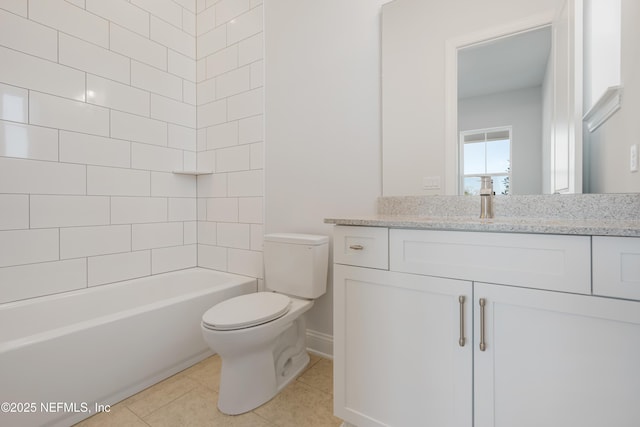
[{"x": 486, "y": 197}]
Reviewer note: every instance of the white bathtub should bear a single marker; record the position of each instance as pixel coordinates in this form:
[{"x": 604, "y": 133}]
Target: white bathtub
[{"x": 62, "y": 355}]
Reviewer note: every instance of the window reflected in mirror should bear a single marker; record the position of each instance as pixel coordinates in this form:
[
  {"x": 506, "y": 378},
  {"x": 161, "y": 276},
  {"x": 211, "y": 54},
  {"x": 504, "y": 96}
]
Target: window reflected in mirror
[{"x": 485, "y": 152}]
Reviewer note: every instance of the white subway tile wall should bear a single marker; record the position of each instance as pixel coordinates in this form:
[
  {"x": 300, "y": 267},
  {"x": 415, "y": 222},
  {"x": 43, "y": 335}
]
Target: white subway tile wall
[
  {"x": 230, "y": 117},
  {"x": 100, "y": 101}
]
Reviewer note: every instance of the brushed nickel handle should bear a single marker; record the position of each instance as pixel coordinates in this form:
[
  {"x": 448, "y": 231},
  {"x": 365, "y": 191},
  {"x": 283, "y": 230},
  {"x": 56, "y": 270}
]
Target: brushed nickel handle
[
  {"x": 462, "y": 339},
  {"x": 483, "y": 344},
  {"x": 356, "y": 247}
]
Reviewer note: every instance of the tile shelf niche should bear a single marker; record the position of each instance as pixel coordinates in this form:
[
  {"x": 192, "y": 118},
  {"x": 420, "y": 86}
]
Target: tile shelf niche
[{"x": 193, "y": 172}]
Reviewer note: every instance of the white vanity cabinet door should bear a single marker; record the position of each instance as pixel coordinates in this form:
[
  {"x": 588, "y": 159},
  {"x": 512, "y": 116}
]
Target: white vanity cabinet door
[
  {"x": 555, "y": 359},
  {"x": 397, "y": 355}
]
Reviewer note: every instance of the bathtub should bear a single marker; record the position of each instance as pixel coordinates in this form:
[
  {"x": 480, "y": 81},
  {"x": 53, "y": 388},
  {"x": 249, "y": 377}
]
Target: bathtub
[{"x": 64, "y": 357}]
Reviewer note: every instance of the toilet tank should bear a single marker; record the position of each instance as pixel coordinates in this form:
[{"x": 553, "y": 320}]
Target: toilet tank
[{"x": 296, "y": 264}]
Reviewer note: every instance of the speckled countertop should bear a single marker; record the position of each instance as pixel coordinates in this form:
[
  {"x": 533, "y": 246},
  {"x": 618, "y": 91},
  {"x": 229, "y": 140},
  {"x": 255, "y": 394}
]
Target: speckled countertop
[
  {"x": 583, "y": 214},
  {"x": 503, "y": 225}
]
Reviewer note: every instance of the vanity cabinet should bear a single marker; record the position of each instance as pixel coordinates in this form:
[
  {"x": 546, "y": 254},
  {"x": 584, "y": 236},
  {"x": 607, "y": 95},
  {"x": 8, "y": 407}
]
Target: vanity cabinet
[
  {"x": 533, "y": 354},
  {"x": 397, "y": 356},
  {"x": 616, "y": 267},
  {"x": 555, "y": 359}
]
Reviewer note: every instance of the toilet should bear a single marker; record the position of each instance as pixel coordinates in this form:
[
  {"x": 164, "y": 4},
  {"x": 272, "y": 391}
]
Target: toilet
[{"x": 261, "y": 337}]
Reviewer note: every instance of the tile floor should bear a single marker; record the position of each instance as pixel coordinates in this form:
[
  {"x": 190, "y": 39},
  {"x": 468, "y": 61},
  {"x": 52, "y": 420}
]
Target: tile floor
[{"x": 189, "y": 398}]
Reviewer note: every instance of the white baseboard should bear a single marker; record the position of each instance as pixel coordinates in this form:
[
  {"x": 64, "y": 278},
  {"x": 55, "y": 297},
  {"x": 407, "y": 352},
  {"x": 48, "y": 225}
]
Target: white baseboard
[{"x": 320, "y": 344}]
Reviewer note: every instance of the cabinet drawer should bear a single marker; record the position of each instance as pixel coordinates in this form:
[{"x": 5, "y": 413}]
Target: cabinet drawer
[
  {"x": 553, "y": 262},
  {"x": 616, "y": 267},
  {"x": 361, "y": 246}
]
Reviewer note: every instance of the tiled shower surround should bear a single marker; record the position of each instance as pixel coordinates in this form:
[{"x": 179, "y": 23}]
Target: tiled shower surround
[{"x": 100, "y": 101}]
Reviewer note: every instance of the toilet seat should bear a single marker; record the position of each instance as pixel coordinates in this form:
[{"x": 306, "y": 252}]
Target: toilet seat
[{"x": 246, "y": 311}]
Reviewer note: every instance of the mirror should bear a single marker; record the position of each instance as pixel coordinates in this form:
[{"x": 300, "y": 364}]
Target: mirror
[{"x": 421, "y": 139}]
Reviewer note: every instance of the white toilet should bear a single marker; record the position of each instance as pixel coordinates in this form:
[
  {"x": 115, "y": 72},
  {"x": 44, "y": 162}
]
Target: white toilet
[{"x": 260, "y": 337}]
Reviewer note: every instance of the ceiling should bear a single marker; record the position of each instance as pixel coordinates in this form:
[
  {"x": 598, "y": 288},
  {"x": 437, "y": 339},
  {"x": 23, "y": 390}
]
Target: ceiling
[{"x": 514, "y": 62}]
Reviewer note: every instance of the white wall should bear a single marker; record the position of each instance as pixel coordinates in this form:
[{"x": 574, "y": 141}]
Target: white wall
[
  {"x": 415, "y": 34},
  {"x": 97, "y": 107},
  {"x": 521, "y": 109},
  {"x": 86, "y": 191},
  {"x": 322, "y": 118},
  {"x": 609, "y": 145},
  {"x": 101, "y": 101},
  {"x": 230, "y": 136},
  {"x": 602, "y": 36}
]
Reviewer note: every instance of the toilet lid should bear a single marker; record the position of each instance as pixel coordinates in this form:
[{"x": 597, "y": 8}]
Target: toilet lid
[{"x": 246, "y": 310}]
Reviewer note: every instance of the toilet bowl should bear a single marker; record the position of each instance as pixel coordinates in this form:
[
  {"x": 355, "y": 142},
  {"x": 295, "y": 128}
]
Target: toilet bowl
[
  {"x": 261, "y": 337},
  {"x": 255, "y": 364}
]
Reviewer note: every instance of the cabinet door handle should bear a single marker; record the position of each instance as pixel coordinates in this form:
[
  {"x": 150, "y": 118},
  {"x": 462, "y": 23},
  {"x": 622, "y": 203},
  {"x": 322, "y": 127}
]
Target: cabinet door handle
[
  {"x": 462, "y": 339},
  {"x": 356, "y": 247},
  {"x": 483, "y": 344}
]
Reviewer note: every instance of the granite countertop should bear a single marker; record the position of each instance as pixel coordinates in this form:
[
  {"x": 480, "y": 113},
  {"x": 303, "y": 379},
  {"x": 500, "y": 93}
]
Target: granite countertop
[
  {"x": 578, "y": 214},
  {"x": 584, "y": 227}
]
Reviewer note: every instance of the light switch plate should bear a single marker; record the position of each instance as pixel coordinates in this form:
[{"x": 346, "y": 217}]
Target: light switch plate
[
  {"x": 431, "y": 182},
  {"x": 633, "y": 158}
]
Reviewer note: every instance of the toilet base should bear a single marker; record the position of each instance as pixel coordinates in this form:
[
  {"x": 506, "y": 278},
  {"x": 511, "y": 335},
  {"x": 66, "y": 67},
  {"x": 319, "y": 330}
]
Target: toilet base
[{"x": 251, "y": 380}]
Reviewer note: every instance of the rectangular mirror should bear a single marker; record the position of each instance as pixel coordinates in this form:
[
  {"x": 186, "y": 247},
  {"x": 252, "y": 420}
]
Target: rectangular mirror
[{"x": 422, "y": 117}]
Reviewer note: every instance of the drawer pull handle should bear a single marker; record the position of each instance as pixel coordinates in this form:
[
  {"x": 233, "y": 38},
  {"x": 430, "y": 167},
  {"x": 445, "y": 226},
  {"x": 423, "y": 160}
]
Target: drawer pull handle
[
  {"x": 483, "y": 344},
  {"x": 462, "y": 339},
  {"x": 356, "y": 247}
]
